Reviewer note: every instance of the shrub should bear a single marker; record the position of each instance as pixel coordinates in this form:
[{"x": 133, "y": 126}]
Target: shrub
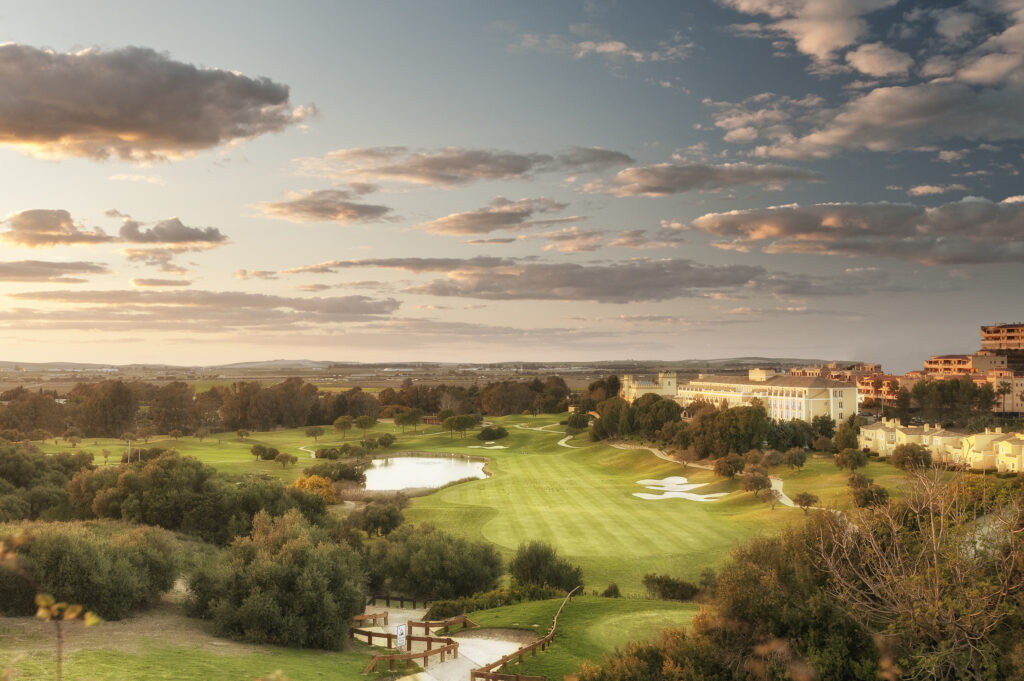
[
  {"x": 491, "y": 599},
  {"x": 911, "y": 455},
  {"x": 286, "y": 583},
  {"x": 318, "y": 485},
  {"x": 669, "y": 588},
  {"x": 336, "y": 471},
  {"x": 492, "y": 433},
  {"x": 611, "y": 591},
  {"x": 426, "y": 562},
  {"x": 538, "y": 563},
  {"x": 110, "y": 576},
  {"x": 386, "y": 440}
]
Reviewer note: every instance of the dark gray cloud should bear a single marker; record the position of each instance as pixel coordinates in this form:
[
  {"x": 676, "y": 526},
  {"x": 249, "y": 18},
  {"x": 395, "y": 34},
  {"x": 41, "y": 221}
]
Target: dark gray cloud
[
  {"x": 453, "y": 166},
  {"x": 43, "y": 228},
  {"x": 325, "y": 205},
  {"x": 41, "y": 270},
  {"x": 663, "y": 179},
  {"x": 968, "y": 231},
  {"x": 132, "y": 103},
  {"x": 500, "y": 214},
  {"x": 170, "y": 231}
]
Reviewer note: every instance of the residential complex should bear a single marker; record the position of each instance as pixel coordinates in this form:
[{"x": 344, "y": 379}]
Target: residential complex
[
  {"x": 1003, "y": 336},
  {"x": 992, "y": 450}
]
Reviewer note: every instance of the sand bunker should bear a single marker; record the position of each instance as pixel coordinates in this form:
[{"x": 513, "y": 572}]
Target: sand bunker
[
  {"x": 482, "y": 447},
  {"x": 676, "y": 487}
]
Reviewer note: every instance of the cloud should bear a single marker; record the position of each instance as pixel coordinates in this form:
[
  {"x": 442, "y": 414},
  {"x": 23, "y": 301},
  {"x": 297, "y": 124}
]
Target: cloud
[
  {"x": 818, "y": 28},
  {"x": 571, "y": 240},
  {"x": 454, "y": 166},
  {"x": 324, "y": 205},
  {"x": 41, "y": 228},
  {"x": 500, "y": 214},
  {"x": 644, "y": 239},
  {"x": 159, "y": 283},
  {"x": 601, "y": 45},
  {"x": 875, "y": 59},
  {"x": 132, "y": 103},
  {"x": 491, "y": 278},
  {"x": 170, "y": 231},
  {"x": 40, "y": 270},
  {"x": 929, "y": 189},
  {"x": 255, "y": 274},
  {"x": 910, "y": 117},
  {"x": 185, "y": 304},
  {"x": 162, "y": 257},
  {"x": 968, "y": 231},
  {"x": 663, "y": 179}
]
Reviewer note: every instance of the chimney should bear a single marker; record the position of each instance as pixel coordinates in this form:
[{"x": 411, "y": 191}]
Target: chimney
[{"x": 999, "y": 430}]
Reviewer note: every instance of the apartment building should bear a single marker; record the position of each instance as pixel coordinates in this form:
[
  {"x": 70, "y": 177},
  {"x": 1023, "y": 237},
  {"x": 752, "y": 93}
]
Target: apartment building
[
  {"x": 1003, "y": 336},
  {"x": 992, "y": 450}
]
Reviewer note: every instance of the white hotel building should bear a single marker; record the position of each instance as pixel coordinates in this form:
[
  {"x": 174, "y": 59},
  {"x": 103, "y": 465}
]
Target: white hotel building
[{"x": 784, "y": 397}]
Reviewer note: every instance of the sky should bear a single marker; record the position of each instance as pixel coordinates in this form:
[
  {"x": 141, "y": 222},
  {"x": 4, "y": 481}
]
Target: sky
[{"x": 481, "y": 181}]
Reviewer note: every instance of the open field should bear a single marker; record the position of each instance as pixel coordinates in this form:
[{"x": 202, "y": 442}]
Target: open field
[
  {"x": 588, "y": 628},
  {"x": 163, "y": 645}
]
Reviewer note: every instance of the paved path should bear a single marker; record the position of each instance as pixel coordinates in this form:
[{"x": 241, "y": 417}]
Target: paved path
[
  {"x": 311, "y": 452},
  {"x": 564, "y": 442},
  {"x": 662, "y": 455},
  {"x": 777, "y": 486}
]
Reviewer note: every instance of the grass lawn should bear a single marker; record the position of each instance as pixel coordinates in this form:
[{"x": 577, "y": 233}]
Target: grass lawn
[
  {"x": 588, "y": 628},
  {"x": 161, "y": 645}
]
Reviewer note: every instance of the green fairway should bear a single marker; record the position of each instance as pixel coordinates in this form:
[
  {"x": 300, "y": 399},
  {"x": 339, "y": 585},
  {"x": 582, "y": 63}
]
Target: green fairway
[
  {"x": 581, "y": 501},
  {"x": 588, "y": 628}
]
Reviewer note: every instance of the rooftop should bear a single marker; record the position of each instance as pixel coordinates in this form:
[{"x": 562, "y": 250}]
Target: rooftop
[{"x": 779, "y": 381}]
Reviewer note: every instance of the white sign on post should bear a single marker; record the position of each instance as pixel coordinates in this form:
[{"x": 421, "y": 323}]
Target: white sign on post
[{"x": 401, "y": 635}]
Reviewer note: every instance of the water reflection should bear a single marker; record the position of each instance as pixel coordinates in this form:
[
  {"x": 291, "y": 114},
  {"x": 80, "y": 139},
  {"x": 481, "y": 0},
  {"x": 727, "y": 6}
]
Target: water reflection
[{"x": 405, "y": 472}]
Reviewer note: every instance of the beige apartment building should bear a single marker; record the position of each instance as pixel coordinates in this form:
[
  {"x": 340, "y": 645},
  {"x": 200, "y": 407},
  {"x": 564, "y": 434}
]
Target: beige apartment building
[
  {"x": 992, "y": 450},
  {"x": 1003, "y": 336},
  {"x": 785, "y": 397}
]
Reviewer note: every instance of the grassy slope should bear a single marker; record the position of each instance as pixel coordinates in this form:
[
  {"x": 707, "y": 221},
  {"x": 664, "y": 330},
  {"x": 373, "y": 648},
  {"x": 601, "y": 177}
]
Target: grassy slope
[
  {"x": 161, "y": 644},
  {"x": 588, "y": 628}
]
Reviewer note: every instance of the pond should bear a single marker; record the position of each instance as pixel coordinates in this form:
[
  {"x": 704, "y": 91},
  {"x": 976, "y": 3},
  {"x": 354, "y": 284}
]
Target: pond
[{"x": 406, "y": 472}]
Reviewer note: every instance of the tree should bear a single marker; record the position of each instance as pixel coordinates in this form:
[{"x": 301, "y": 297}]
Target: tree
[
  {"x": 805, "y": 500},
  {"x": 385, "y": 440},
  {"x": 174, "y": 434},
  {"x": 822, "y": 444},
  {"x": 846, "y": 436},
  {"x": 1002, "y": 390},
  {"x": 579, "y": 420},
  {"x": 286, "y": 459},
  {"x": 911, "y": 455},
  {"x": 823, "y": 426},
  {"x": 755, "y": 479},
  {"x": 902, "y": 405},
  {"x": 318, "y": 485},
  {"x": 314, "y": 432},
  {"x": 941, "y": 586},
  {"x": 729, "y": 466},
  {"x": 794, "y": 458},
  {"x": 287, "y": 583},
  {"x": 242, "y": 433},
  {"x": 771, "y": 496},
  {"x": 364, "y": 423},
  {"x": 850, "y": 458},
  {"x": 409, "y": 417},
  {"x": 202, "y": 433},
  {"x": 343, "y": 424},
  {"x": 538, "y": 563}
]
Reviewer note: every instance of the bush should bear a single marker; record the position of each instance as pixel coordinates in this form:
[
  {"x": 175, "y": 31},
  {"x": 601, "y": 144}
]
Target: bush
[
  {"x": 492, "y": 433},
  {"x": 110, "y": 576},
  {"x": 669, "y": 588},
  {"x": 287, "y": 584},
  {"x": 336, "y": 471},
  {"x": 509, "y": 595},
  {"x": 425, "y": 562},
  {"x": 538, "y": 563},
  {"x": 386, "y": 440},
  {"x": 910, "y": 456},
  {"x": 318, "y": 485},
  {"x": 612, "y": 591}
]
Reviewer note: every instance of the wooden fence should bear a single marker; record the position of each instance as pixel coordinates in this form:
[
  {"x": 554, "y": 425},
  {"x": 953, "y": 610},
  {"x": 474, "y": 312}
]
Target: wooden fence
[
  {"x": 489, "y": 673},
  {"x": 372, "y": 617},
  {"x": 401, "y": 600},
  {"x": 442, "y": 624},
  {"x": 447, "y": 646}
]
